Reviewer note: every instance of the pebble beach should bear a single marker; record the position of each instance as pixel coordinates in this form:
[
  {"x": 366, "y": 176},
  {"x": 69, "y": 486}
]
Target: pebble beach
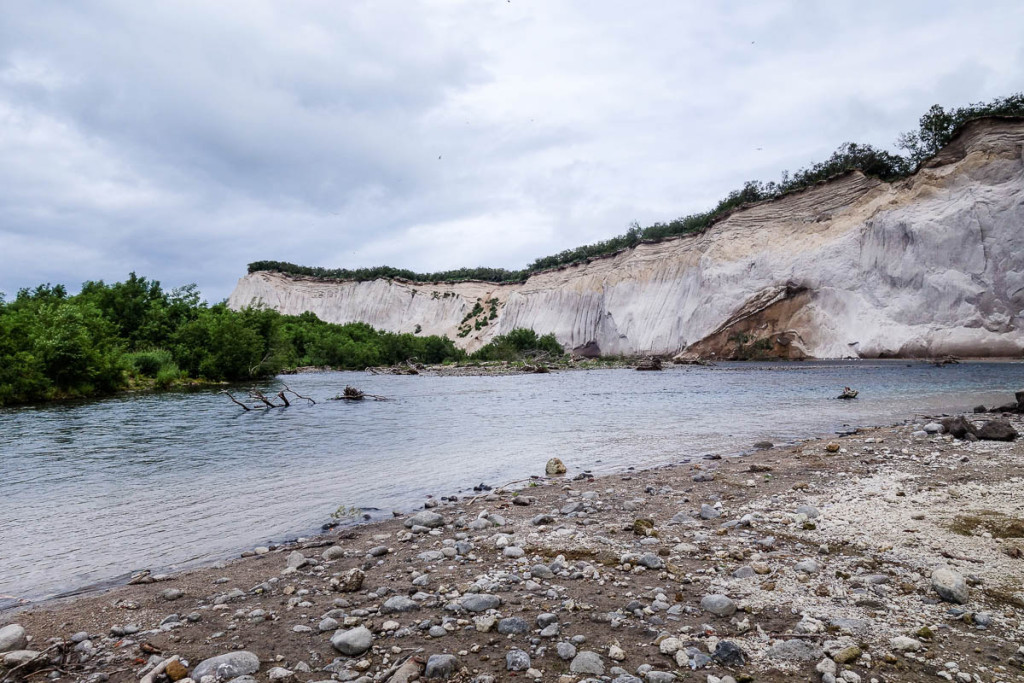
[{"x": 890, "y": 554}]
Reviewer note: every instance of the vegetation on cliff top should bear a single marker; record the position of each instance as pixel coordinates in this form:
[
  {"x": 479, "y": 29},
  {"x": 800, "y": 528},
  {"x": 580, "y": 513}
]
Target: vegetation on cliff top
[
  {"x": 135, "y": 334},
  {"x": 936, "y": 128}
]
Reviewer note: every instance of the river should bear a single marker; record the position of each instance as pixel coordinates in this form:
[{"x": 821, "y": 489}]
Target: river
[{"x": 91, "y": 491}]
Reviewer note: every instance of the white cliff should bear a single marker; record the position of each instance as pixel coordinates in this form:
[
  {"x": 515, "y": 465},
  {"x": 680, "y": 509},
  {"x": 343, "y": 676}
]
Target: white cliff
[{"x": 855, "y": 267}]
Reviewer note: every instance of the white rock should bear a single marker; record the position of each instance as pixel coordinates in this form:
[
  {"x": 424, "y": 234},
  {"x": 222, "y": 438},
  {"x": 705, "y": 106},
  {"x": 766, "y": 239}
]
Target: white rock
[
  {"x": 670, "y": 646},
  {"x": 13, "y": 637},
  {"x": 905, "y": 644},
  {"x": 893, "y": 269},
  {"x": 950, "y": 585}
]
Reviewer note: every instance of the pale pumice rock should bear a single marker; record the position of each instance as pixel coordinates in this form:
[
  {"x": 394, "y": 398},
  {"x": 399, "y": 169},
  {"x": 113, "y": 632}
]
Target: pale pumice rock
[{"x": 855, "y": 267}]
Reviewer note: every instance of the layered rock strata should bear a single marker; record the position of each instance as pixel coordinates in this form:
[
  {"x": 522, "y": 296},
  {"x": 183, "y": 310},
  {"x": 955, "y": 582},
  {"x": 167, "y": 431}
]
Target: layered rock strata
[{"x": 855, "y": 267}]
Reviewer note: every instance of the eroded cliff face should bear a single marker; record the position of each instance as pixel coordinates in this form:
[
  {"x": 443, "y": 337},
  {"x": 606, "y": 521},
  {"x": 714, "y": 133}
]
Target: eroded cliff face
[{"x": 927, "y": 266}]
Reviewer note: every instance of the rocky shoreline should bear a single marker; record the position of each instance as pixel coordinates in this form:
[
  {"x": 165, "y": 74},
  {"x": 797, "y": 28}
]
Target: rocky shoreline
[{"x": 892, "y": 554}]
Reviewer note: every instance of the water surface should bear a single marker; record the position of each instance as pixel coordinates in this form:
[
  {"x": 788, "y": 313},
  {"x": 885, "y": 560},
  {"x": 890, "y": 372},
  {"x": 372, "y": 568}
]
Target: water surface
[{"x": 92, "y": 491}]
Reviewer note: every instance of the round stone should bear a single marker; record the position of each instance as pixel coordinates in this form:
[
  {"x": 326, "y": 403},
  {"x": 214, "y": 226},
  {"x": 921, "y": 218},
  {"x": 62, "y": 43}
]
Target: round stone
[
  {"x": 587, "y": 662},
  {"x": 718, "y": 604},
  {"x": 353, "y": 642}
]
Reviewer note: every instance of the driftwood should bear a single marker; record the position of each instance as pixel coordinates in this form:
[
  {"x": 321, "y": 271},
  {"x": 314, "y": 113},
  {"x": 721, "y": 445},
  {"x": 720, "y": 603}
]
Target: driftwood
[
  {"x": 61, "y": 647},
  {"x": 951, "y": 556},
  {"x": 404, "y": 670},
  {"x": 298, "y": 395},
  {"x": 235, "y": 400},
  {"x": 353, "y": 394},
  {"x": 257, "y": 394},
  {"x": 264, "y": 402}
]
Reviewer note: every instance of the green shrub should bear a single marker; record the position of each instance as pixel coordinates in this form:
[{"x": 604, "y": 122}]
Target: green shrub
[
  {"x": 149, "y": 363},
  {"x": 168, "y": 375},
  {"x": 518, "y": 344}
]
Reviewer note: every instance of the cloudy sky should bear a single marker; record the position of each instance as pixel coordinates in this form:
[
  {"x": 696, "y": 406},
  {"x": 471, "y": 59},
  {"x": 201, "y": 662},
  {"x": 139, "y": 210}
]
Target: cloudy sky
[{"x": 183, "y": 140}]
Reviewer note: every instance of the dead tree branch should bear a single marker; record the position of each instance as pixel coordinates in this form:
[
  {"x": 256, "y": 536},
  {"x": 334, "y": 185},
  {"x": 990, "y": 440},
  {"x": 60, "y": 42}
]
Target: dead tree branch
[
  {"x": 61, "y": 646},
  {"x": 297, "y": 394},
  {"x": 234, "y": 400},
  {"x": 257, "y": 394}
]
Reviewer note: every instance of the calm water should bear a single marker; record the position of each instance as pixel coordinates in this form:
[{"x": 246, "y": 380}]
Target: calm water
[{"x": 92, "y": 491}]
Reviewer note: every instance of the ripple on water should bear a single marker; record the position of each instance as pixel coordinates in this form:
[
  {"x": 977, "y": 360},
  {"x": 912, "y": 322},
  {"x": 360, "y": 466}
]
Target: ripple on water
[{"x": 93, "y": 490}]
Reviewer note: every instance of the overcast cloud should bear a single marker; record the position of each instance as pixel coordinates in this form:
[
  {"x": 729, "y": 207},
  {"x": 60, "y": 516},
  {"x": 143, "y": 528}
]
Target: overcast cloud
[{"x": 183, "y": 140}]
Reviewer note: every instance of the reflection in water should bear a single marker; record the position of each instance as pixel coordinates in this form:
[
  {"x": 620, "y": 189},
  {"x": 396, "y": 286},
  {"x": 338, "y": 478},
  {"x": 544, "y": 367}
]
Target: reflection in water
[{"x": 94, "y": 490}]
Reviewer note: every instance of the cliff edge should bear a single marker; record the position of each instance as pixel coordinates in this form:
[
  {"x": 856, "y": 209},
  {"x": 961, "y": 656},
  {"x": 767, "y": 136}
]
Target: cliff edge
[{"x": 855, "y": 267}]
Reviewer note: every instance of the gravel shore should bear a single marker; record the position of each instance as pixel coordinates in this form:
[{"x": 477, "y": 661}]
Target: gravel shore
[{"x": 893, "y": 554}]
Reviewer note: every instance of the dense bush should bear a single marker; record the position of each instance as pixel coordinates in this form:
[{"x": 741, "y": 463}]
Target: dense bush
[
  {"x": 149, "y": 363},
  {"x": 519, "y": 344},
  {"x": 935, "y": 129},
  {"x": 109, "y": 337}
]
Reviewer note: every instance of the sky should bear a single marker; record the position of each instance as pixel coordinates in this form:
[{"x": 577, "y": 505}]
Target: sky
[{"x": 184, "y": 140}]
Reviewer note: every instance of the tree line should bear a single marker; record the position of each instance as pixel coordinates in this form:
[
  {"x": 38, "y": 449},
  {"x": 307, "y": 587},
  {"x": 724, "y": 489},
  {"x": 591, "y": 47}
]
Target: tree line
[
  {"x": 936, "y": 128},
  {"x": 136, "y": 334}
]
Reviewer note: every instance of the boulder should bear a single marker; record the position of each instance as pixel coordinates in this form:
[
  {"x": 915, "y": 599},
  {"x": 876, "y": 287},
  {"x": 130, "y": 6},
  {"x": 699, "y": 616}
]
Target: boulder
[
  {"x": 480, "y": 602},
  {"x": 13, "y": 637},
  {"x": 950, "y": 585},
  {"x": 997, "y": 430},
  {"x": 650, "y": 561},
  {"x": 512, "y": 625},
  {"x": 426, "y": 518},
  {"x": 21, "y": 657},
  {"x": 335, "y": 552},
  {"x": 587, "y": 662},
  {"x": 905, "y": 644},
  {"x": 353, "y": 642},
  {"x": 227, "y": 666},
  {"x": 554, "y": 467},
  {"x": 399, "y": 604},
  {"x": 718, "y": 604},
  {"x": 729, "y": 653},
  {"x": 958, "y": 426},
  {"x": 517, "y": 660},
  {"x": 441, "y": 667},
  {"x": 349, "y": 582},
  {"x": 709, "y": 512}
]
